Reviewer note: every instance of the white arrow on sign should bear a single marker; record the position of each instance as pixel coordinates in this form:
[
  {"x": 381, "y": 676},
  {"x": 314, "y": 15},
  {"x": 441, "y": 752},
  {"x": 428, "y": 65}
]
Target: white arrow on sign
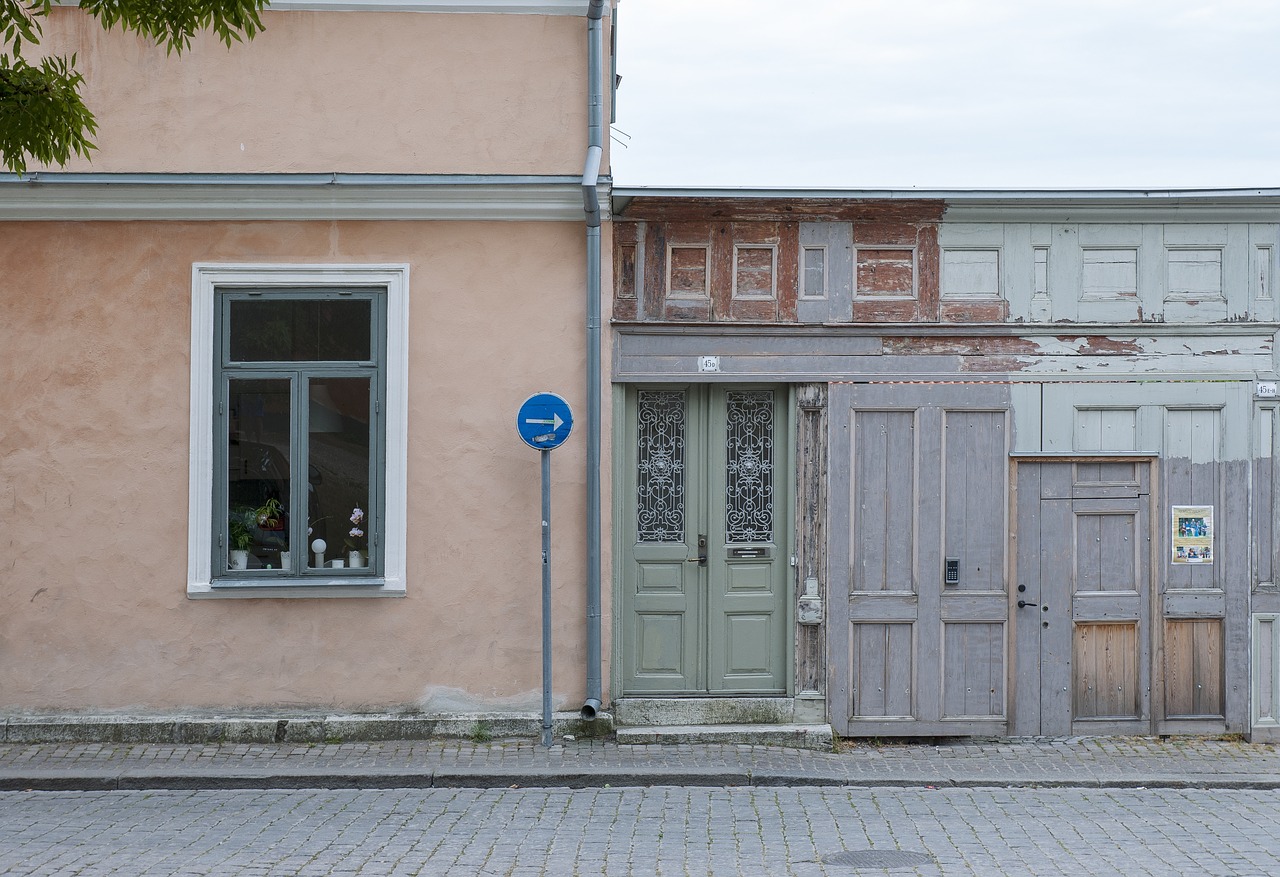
[{"x": 553, "y": 421}]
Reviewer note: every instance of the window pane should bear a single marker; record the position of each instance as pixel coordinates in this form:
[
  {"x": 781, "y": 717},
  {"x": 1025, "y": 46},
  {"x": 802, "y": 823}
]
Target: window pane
[
  {"x": 815, "y": 272},
  {"x": 276, "y": 330},
  {"x": 339, "y": 448},
  {"x": 258, "y": 474}
]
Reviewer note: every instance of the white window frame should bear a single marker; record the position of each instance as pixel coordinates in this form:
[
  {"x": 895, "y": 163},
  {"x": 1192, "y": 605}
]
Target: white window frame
[
  {"x": 817, "y": 296},
  {"x": 206, "y": 281}
]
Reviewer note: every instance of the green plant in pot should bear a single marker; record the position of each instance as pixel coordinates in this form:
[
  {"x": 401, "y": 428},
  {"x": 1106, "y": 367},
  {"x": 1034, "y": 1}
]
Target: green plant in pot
[
  {"x": 240, "y": 525},
  {"x": 270, "y": 515}
]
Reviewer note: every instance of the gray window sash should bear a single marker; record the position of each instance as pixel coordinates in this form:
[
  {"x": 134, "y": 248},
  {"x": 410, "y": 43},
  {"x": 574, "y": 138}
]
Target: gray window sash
[{"x": 299, "y": 374}]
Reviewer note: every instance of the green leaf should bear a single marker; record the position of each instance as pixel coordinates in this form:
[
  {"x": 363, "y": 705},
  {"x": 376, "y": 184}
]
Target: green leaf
[{"x": 42, "y": 114}]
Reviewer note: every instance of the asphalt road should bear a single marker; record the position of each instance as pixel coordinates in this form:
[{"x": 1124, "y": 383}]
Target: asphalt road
[{"x": 643, "y": 831}]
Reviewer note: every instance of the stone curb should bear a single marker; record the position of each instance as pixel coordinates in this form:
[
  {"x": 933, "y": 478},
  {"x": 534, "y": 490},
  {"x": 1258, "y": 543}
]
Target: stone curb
[
  {"x": 293, "y": 728},
  {"x": 488, "y": 778}
]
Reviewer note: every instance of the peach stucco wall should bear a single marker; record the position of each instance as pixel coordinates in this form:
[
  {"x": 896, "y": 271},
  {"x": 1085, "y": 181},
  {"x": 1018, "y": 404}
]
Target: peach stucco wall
[
  {"x": 375, "y": 92},
  {"x": 95, "y": 322}
]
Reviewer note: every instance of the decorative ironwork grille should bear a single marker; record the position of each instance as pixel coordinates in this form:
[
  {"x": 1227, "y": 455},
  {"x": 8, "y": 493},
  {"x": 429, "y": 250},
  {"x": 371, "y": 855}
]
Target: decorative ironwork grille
[
  {"x": 660, "y": 444},
  {"x": 749, "y": 471}
]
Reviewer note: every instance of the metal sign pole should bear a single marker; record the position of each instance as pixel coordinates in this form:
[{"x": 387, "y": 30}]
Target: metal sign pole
[
  {"x": 543, "y": 422},
  {"x": 546, "y": 598}
]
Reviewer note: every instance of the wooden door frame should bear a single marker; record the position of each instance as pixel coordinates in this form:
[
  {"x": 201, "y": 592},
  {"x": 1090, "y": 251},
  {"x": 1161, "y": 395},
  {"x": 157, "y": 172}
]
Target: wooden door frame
[
  {"x": 1154, "y": 633},
  {"x": 785, "y": 484}
]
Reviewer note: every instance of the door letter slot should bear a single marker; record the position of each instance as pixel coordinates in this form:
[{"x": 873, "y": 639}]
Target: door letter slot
[{"x": 749, "y": 552}]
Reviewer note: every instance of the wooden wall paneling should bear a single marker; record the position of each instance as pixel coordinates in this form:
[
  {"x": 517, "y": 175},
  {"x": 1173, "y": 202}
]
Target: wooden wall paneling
[
  {"x": 662, "y": 239},
  {"x": 1057, "y": 569},
  {"x": 1106, "y": 671},
  {"x": 970, "y": 242},
  {"x": 1017, "y": 271},
  {"x": 1237, "y": 259},
  {"x": 1264, "y": 513},
  {"x": 1024, "y": 701},
  {"x": 922, "y": 304},
  {"x": 975, "y": 532},
  {"x": 1065, "y": 277},
  {"x": 628, "y": 274},
  {"x": 1103, "y": 245},
  {"x": 928, "y": 561},
  {"x": 1041, "y": 241},
  {"x": 721, "y": 277},
  {"x": 1236, "y": 582},
  {"x": 792, "y": 209},
  {"x": 884, "y": 497},
  {"x": 1191, "y": 478},
  {"x": 880, "y": 656},
  {"x": 1193, "y": 669},
  {"x": 811, "y": 541},
  {"x": 929, "y": 269},
  {"x": 788, "y": 277},
  {"x": 1265, "y": 679},
  {"x": 652, "y": 294},
  {"x": 840, "y": 646},
  {"x": 1182, "y": 238},
  {"x": 974, "y": 522},
  {"x": 973, "y": 670},
  {"x": 1264, "y": 242},
  {"x": 837, "y": 258},
  {"x": 1027, "y": 407},
  {"x": 728, "y": 305},
  {"x": 1152, "y": 273}
]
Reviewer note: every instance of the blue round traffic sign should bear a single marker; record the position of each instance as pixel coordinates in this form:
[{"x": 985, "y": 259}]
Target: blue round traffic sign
[{"x": 544, "y": 421}]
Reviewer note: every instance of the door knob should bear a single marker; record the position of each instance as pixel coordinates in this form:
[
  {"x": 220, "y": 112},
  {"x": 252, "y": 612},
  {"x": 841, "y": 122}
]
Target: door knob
[{"x": 1023, "y": 604}]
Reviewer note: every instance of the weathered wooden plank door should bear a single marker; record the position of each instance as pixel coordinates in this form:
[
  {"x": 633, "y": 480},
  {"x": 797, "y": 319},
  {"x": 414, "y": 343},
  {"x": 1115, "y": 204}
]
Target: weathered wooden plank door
[
  {"x": 919, "y": 596},
  {"x": 1081, "y": 616},
  {"x": 702, "y": 533}
]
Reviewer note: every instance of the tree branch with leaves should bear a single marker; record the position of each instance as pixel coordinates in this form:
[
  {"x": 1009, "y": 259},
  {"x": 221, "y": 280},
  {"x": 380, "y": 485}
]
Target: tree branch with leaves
[{"x": 43, "y": 116}]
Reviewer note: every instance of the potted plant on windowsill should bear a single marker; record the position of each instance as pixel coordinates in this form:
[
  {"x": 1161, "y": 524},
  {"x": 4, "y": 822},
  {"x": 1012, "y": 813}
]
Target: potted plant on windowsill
[
  {"x": 270, "y": 515},
  {"x": 245, "y": 526},
  {"x": 356, "y": 540},
  {"x": 240, "y": 534}
]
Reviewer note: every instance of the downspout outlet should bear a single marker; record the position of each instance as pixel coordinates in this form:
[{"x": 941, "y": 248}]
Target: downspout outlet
[{"x": 590, "y": 709}]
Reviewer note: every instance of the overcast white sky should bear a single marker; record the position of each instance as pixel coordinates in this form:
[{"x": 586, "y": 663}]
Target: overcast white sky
[{"x": 948, "y": 93}]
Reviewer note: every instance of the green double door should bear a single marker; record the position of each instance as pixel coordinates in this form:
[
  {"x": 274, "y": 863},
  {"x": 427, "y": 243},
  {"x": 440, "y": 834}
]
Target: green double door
[{"x": 703, "y": 512}]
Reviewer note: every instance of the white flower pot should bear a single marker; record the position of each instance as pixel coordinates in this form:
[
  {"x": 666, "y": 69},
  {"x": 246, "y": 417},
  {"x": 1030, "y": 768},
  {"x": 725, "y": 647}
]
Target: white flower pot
[
  {"x": 238, "y": 559},
  {"x": 355, "y": 559}
]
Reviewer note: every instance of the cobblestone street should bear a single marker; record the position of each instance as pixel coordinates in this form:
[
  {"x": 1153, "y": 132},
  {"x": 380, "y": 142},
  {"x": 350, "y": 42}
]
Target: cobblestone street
[{"x": 656, "y": 830}]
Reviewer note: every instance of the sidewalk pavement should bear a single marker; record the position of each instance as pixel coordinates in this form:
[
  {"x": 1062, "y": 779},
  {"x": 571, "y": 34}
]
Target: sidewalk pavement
[{"x": 1069, "y": 762}]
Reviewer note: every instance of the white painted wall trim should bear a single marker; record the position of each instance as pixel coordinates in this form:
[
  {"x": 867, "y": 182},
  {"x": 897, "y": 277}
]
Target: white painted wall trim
[
  {"x": 213, "y": 197},
  {"x": 206, "y": 279}
]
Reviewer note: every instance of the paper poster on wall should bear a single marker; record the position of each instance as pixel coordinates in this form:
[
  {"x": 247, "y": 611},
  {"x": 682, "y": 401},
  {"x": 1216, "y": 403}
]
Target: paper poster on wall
[{"x": 1193, "y": 534}]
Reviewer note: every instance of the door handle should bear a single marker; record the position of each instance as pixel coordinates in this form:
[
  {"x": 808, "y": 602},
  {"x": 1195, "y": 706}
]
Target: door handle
[
  {"x": 1023, "y": 604},
  {"x": 701, "y": 559}
]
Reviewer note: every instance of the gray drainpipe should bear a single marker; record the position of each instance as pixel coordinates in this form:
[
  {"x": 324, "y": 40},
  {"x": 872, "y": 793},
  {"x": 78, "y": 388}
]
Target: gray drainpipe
[{"x": 591, "y": 203}]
